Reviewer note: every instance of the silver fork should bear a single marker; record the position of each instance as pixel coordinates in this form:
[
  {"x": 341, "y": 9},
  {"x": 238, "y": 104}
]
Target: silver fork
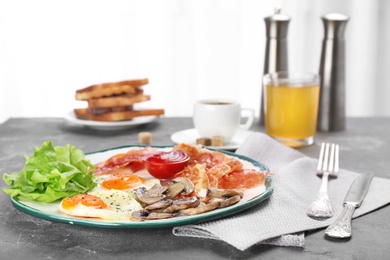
[{"x": 328, "y": 166}]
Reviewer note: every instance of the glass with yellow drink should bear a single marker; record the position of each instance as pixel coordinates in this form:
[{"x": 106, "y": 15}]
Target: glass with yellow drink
[{"x": 291, "y": 107}]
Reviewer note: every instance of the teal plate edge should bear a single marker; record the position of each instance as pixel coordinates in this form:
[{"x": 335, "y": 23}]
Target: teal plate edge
[{"x": 172, "y": 222}]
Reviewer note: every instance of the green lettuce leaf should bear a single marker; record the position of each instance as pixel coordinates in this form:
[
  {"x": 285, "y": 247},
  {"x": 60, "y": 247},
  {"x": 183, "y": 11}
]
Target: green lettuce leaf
[{"x": 52, "y": 173}]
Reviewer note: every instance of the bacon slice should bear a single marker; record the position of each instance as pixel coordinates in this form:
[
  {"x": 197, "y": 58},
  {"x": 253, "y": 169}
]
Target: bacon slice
[
  {"x": 124, "y": 162},
  {"x": 213, "y": 169},
  {"x": 246, "y": 178}
]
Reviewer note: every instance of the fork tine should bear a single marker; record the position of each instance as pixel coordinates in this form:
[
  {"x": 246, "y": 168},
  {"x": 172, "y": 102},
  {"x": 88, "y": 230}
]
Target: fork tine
[
  {"x": 320, "y": 159},
  {"x": 326, "y": 158},
  {"x": 331, "y": 159},
  {"x": 336, "y": 162}
]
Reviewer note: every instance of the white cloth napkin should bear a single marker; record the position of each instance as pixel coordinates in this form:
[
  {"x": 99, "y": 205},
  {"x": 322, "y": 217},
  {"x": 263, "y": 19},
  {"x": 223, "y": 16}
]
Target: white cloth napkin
[{"x": 281, "y": 220}]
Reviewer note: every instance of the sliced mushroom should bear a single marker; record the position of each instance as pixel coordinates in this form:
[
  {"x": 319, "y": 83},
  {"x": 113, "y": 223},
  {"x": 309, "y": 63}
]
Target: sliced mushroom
[
  {"x": 142, "y": 195},
  {"x": 201, "y": 209},
  {"x": 141, "y": 215},
  {"x": 162, "y": 202},
  {"x": 230, "y": 201},
  {"x": 157, "y": 190},
  {"x": 174, "y": 189},
  {"x": 184, "y": 203},
  {"x": 159, "y": 205},
  {"x": 222, "y": 193},
  {"x": 158, "y": 215},
  {"x": 188, "y": 185}
]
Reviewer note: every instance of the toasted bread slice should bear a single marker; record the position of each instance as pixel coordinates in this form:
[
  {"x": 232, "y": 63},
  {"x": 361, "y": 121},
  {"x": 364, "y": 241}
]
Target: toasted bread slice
[
  {"x": 82, "y": 113},
  {"x": 117, "y": 101},
  {"x": 103, "y": 110},
  {"x": 110, "y": 89}
]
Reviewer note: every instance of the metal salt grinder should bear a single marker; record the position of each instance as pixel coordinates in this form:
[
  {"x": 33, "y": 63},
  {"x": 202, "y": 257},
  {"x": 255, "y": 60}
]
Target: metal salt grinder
[
  {"x": 275, "y": 50},
  {"x": 331, "y": 110}
]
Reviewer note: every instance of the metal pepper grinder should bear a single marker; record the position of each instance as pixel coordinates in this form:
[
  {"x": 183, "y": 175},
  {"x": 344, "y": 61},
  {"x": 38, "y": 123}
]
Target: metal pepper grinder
[
  {"x": 275, "y": 50},
  {"x": 331, "y": 110}
]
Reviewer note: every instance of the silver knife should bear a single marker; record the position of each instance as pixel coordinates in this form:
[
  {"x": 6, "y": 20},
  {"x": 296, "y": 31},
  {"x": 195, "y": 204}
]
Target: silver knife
[{"x": 341, "y": 228}]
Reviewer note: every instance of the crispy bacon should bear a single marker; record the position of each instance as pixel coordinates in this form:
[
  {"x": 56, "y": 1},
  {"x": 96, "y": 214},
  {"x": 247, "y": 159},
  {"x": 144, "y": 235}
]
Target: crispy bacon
[
  {"x": 245, "y": 178},
  {"x": 217, "y": 170},
  {"x": 130, "y": 161}
]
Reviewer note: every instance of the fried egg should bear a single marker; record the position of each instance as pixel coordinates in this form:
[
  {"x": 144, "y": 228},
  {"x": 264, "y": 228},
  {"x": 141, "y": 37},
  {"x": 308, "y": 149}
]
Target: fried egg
[
  {"x": 123, "y": 181},
  {"x": 109, "y": 205},
  {"x": 111, "y": 199}
]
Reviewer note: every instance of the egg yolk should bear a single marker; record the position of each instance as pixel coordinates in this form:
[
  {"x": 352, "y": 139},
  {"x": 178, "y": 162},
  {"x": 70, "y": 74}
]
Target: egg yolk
[
  {"x": 122, "y": 181},
  {"x": 85, "y": 199}
]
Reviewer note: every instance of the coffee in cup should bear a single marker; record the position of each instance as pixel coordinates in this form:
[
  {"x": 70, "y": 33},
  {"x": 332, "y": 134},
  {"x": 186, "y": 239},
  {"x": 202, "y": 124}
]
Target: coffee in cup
[{"x": 220, "y": 117}]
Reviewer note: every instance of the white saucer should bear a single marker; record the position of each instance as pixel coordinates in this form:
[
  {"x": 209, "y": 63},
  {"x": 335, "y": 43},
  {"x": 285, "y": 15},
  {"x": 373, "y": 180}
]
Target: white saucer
[
  {"x": 110, "y": 126},
  {"x": 189, "y": 136}
]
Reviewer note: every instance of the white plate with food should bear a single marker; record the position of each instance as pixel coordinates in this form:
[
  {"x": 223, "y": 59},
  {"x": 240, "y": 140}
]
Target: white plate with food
[
  {"x": 249, "y": 179},
  {"x": 190, "y": 135},
  {"x": 110, "y": 126}
]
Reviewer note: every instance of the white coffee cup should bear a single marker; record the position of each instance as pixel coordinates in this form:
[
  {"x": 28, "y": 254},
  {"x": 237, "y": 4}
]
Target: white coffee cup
[{"x": 220, "y": 117}]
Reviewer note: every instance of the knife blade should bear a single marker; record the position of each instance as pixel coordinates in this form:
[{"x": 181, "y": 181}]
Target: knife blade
[{"x": 342, "y": 227}]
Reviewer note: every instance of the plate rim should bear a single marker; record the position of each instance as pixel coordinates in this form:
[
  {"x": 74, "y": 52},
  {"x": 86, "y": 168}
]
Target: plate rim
[{"x": 172, "y": 222}]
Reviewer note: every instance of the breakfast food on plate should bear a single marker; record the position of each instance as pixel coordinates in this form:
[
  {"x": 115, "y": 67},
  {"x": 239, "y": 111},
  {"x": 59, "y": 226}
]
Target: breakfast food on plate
[
  {"x": 111, "y": 199},
  {"x": 51, "y": 173},
  {"x": 145, "y": 138},
  {"x": 110, "y": 205},
  {"x": 208, "y": 180},
  {"x": 179, "y": 198},
  {"x": 114, "y": 101},
  {"x": 138, "y": 184},
  {"x": 213, "y": 169}
]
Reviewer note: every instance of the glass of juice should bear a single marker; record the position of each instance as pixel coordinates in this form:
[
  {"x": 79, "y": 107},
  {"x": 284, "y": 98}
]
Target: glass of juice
[{"x": 291, "y": 107}]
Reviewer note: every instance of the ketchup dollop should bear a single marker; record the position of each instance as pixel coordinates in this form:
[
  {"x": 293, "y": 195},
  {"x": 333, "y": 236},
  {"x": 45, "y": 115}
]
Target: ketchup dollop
[{"x": 164, "y": 165}]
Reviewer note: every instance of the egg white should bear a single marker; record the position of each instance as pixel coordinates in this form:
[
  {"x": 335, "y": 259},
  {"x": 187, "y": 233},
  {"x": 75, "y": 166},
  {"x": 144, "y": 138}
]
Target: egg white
[
  {"x": 119, "y": 201},
  {"x": 149, "y": 182},
  {"x": 120, "y": 204}
]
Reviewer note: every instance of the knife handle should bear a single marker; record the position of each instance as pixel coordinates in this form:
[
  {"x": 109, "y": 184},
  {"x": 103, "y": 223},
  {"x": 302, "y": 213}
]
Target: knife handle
[{"x": 341, "y": 228}]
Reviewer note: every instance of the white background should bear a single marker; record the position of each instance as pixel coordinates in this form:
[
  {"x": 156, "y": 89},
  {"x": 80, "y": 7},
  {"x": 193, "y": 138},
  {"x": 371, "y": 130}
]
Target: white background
[{"x": 188, "y": 49}]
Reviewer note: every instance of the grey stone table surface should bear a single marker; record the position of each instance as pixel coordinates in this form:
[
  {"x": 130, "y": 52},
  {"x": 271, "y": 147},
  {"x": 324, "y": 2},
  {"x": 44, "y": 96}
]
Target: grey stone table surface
[{"x": 365, "y": 147}]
